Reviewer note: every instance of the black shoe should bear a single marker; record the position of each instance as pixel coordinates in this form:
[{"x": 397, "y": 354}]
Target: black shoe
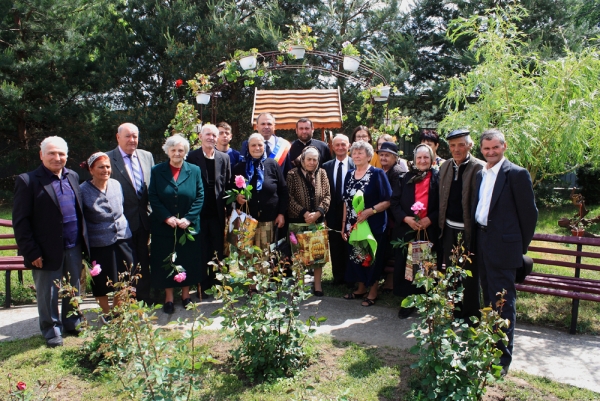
[
  {"x": 186, "y": 302},
  {"x": 404, "y": 313},
  {"x": 168, "y": 308},
  {"x": 504, "y": 371},
  {"x": 54, "y": 342},
  {"x": 318, "y": 293}
]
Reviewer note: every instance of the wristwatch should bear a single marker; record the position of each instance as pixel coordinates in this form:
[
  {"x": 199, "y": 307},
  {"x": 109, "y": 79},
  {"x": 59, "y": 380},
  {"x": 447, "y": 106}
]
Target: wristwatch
[{"x": 374, "y": 210}]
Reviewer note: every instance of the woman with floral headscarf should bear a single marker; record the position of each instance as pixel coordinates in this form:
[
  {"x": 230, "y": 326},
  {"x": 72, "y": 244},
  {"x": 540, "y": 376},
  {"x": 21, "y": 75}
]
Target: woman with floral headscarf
[
  {"x": 309, "y": 198},
  {"x": 269, "y": 200},
  {"x": 420, "y": 184}
]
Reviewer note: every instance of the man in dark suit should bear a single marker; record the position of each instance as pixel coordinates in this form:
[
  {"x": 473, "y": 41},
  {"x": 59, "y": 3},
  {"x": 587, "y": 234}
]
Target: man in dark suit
[
  {"x": 336, "y": 170},
  {"x": 51, "y": 234},
  {"x": 215, "y": 168},
  {"x": 131, "y": 167},
  {"x": 505, "y": 214},
  {"x": 304, "y": 132}
]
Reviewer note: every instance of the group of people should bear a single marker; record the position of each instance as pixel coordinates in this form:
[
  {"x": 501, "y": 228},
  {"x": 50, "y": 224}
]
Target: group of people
[{"x": 110, "y": 217}]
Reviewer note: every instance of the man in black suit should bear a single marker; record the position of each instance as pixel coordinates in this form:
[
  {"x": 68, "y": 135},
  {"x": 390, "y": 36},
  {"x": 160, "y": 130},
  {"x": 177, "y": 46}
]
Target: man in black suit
[
  {"x": 215, "y": 168},
  {"x": 505, "y": 214},
  {"x": 131, "y": 167},
  {"x": 336, "y": 173},
  {"x": 51, "y": 234},
  {"x": 304, "y": 132}
]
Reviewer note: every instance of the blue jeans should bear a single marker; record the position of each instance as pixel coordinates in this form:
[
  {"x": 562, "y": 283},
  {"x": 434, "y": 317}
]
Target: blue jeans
[{"x": 51, "y": 323}]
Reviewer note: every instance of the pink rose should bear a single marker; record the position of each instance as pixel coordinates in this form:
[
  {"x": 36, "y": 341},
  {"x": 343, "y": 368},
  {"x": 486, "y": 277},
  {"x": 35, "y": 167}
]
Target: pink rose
[
  {"x": 21, "y": 386},
  {"x": 179, "y": 277},
  {"x": 95, "y": 269},
  {"x": 417, "y": 207},
  {"x": 293, "y": 239},
  {"x": 240, "y": 181}
]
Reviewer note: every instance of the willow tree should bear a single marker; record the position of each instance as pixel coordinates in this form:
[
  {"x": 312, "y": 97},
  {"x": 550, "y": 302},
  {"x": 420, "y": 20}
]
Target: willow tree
[{"x": 548, "y": 109}]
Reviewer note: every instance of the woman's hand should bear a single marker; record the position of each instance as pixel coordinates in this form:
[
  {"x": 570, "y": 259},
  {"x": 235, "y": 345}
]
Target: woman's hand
[
  {"x": 183, "y": 223},
  {"x": 280, "y": 221},
  {"x": 171, "y": 222},
  {"x": 424, "y": 223},
  {"x": 310, "y": 218},
  {"x": 344, "y": 235},
  {"x": 414, "y": 224},
  {"x": 241, "y": 199},
  {"x": 364, "y": 215}
]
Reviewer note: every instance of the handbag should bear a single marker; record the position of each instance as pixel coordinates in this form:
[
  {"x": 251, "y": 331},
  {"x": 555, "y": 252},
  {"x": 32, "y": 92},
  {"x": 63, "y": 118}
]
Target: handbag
[
  {"x": 312, "y": 243},
  {"x": 241, "y": 228},
  {"x": 419, "y": 253}
]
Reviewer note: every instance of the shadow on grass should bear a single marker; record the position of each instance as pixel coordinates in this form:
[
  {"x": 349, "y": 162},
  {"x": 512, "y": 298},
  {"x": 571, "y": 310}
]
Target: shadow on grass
[{"x": 9, "y": 349}]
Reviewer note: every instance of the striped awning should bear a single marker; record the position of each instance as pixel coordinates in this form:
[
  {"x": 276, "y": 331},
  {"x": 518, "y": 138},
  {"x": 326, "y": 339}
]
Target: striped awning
[{"x": 322, "y": 106}]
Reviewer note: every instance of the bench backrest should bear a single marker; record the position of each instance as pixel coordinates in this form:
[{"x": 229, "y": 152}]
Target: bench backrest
[
  {"x": 578, "y": 253},
  {"x": 9, "y": 246}
]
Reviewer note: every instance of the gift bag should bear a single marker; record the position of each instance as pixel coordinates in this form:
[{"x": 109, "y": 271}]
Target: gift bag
[
  {"x": 418, "y": 253},
  {"x": 241, "y": 229},
  {"x": 311, "y": 244}
]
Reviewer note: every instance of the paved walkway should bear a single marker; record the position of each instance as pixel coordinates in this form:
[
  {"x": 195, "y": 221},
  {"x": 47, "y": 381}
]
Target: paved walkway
[{"x": 572, "y": 359}]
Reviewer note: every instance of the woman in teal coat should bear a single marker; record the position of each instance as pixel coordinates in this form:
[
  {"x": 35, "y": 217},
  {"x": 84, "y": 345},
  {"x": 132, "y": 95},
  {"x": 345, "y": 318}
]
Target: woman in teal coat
[{"x": 176, "y": 197}]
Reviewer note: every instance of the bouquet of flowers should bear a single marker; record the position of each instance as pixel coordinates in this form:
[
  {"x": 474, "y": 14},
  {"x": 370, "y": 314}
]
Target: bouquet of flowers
[{"x": 361, "y": 238}]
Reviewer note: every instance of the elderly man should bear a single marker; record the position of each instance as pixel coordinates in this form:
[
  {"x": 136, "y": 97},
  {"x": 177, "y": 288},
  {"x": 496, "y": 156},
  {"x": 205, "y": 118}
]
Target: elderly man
[
  {"x": 505, "y": 214},
  {"x": 304, "y": 132},
  {"x": 131, "y": 167},
  {"x": 51, "y": 234},
  {"x": 336, "y": 170},
  {"x": 457, "y": 184},
  {"x": 276, "y": 147},
  {"x": 223, "y": 143},
  {"x": 216, "y": 173}
]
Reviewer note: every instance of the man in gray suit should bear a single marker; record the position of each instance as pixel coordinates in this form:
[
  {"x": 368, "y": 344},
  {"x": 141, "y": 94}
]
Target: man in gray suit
[
  {"x": 215, "y": 168},
  {"x": 336, "y": 170},
  {"x": 505, "y": 214},
  {"x": 131, "y": 167}
]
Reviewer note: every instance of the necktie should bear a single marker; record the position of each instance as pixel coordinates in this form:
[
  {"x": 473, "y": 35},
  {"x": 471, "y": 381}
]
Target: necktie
[
  {"x": 339, "y": 182},
  {"x": 137, "y": 176}
]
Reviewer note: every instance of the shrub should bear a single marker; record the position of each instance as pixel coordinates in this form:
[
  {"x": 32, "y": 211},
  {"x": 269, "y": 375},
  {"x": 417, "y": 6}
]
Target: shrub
[{"x": 587, "y": 179}]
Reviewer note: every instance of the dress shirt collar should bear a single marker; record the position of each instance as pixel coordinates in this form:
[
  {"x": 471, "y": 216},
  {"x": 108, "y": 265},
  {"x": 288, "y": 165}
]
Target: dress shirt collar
[
  {"x": 496, "y": 167},
  {"x": 125, "y": 154},
  {"x": 50, "y": 174},
  {"x": 207, "y": 156}
]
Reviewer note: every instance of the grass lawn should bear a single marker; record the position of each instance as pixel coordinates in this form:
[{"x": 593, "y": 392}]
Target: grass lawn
[{"x": 338, "y": 371}]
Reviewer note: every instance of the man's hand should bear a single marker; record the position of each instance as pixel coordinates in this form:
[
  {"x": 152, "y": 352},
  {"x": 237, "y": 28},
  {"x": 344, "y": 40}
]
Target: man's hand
[
  {"x": 37, "y": 263},
  {"x": 280, "y": 221}
]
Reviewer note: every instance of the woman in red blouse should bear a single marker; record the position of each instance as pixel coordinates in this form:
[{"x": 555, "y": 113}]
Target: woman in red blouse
[{"x": 420, "y": 184}]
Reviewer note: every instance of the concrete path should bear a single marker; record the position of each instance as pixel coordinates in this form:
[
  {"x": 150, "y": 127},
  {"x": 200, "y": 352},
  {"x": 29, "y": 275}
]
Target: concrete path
[{"x": 572, "y": 359}]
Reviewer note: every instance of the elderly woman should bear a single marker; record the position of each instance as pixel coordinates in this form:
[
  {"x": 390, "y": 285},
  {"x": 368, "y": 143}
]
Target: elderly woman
[
  {"x": 420, "y": 184},
  {"x": 377, "y": 193},
  {"x": 362, "y": 133},
  {"x": 269, "y": 200},
  {"x": 176, "y": 196},
  {"x": 432, "y": 139},
  {"x": 108, "y": 230},
  {"x": 309, "y": 198}
]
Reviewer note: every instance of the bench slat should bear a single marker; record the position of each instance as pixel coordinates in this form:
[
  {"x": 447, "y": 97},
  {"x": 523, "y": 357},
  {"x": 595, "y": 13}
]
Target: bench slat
[
  {"x": 578, "y": 287},
  {"x": 566, "y": 278},
  {"x": 7, "y": 236},
  {"x": 566, "y": 239},
  {"x": 566, "y": 264},
  {"x": 559, "y": 293},
  {"x": 563, "y": 252}
]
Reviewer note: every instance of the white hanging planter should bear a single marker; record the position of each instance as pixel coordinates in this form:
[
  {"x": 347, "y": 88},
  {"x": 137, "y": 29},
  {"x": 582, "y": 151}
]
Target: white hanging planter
[
  {"x": 248, "y": 62},
  {"x": 203, "y": 98},
  {"x": 298, "y": 51},
  {"x": 351, "y": 63},
  {"x": 384, "y": 93}
]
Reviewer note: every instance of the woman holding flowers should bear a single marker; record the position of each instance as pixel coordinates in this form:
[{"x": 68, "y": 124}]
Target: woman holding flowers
[
  {"x": 108, "y": 231},
  {"x": 415, "y": 203},
  {"x": 376, "y": 190},
  {"x": 176, "y": 196},
  {"x": 269, "y": 200},
  {"x": 309, "y": 199}
]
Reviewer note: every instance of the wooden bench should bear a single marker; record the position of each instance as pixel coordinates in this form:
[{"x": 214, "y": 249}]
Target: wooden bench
[
  {"x": 10, "y": 263},
  {"x": 574, "y": 287}
]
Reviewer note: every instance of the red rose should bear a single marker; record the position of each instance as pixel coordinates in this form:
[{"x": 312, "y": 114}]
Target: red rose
[
  {"x": 178, "y": 83},
  {"x": 367, "y": 261},
  {"x": 21, "y": 386}
]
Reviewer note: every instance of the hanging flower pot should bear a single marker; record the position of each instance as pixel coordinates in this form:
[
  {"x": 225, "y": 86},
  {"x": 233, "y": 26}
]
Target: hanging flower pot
[
  {"x": 580, "y": 232},
  {"x": 203, "y": 98},
  {"x": 248, "y": 62},
  {"x": 351, "y": 63},
  {"x": 298, "y": 51},
  {"x": 384, "y": 93}
]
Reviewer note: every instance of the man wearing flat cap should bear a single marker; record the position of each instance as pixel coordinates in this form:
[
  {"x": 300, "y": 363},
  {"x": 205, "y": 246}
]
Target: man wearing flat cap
[{"x": 457, "y": 185}]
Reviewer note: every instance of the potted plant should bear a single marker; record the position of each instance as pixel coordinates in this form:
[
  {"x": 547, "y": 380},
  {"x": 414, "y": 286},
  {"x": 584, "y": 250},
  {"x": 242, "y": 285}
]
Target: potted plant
[
  {"x": 299, "y": 41},
  {"x": 397, "y": 124},
  {"x": 351, "y": 57},
  {"x": 578, "y": 223},
  {"x": 200, "y": 87},
  {"x": 381, "y": 92},
  {"x": 246, "y": 58}
]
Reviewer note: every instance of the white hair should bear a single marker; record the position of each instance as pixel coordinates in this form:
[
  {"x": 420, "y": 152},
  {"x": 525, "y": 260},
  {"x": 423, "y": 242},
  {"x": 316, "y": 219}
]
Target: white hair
[
  {"x": 362, "y": 145},
  {"x": 56, "y": 141},
  {"x": 342, "y": 137},
  {"x": 257, "y": 136},
  {"x": 211, "y": 127},
  {"x": 132, "y": 128},
  {"x": 312, "y": 152},
  {"x": 174, "y": 141}
]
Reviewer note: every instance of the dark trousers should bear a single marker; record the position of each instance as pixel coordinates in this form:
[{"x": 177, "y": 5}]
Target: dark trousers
[
  {"x": 338, "y": 252},
  {"x": 211, "y": 240},
  {"x": 494, "y": 281},
  {"x": 470, "y": 305},
  {"x": 141, "y": 258}
]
